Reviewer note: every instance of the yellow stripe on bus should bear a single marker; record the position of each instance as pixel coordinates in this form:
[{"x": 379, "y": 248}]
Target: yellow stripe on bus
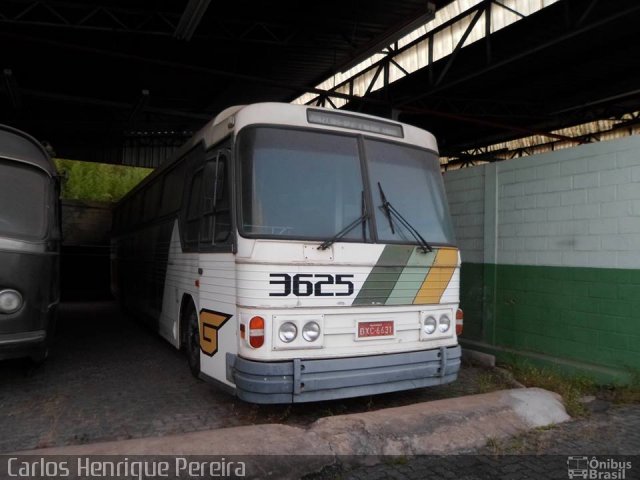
[{"x": 438, "y": 277}]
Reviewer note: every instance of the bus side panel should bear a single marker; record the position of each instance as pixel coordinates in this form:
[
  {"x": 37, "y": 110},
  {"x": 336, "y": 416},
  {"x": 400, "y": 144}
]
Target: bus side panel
[
  {"x": 141, "y": 268},
  {"x": 218, "y": 320},
  {"x": 182, "y": 272},
  {"x": 214, "y": 295}
]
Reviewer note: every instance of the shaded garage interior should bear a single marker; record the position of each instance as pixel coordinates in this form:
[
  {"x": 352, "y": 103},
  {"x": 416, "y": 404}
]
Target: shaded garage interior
[{"x": 118, "y": 82}]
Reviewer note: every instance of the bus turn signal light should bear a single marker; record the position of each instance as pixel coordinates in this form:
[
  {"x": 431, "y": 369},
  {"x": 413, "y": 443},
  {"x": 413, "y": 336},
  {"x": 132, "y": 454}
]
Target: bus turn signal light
[
  {"x": 459, "y": 321},
  {"x": 256, "y": 332}
]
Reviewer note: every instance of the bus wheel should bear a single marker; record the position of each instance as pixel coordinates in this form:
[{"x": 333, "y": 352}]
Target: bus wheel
[
  {"x": 193, "y": 342},
  {"x": 38, "y": 357}
]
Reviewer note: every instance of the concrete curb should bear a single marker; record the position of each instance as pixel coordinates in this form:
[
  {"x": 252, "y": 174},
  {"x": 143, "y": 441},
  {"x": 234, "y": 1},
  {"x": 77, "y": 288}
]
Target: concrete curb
[
  {"x": 445, "y": 426},
  {"x": 476, "y": 357}
]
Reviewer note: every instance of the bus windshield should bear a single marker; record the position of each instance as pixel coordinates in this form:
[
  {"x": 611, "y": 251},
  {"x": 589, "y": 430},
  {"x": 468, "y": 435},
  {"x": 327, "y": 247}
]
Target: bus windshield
[
  {"x": 411, "y": 181},
  {"x": 309, "y": 185},
  {"x": 23, "y": 196},
  {"x": 299, "y": 184}
]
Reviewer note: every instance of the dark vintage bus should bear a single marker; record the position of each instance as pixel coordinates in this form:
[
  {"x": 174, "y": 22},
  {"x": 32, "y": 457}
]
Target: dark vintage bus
[{"x": 29, "y": 246}]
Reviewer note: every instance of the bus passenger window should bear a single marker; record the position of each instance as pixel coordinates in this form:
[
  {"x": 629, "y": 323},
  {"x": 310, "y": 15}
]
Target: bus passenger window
[
  {"x": 151, "y": 199},
  {"x": 194, "y": 210},
  {"x": 206, "y": 226},
  {"x": 172, "y": 190},
  {"x": 216, "y": 221}
]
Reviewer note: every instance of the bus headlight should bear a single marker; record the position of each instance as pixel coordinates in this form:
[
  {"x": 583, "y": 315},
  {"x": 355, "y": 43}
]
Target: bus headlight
[
  {"x": 430, "y": 325},
  {"x": 445, "y": 323},
  {"x": 10, "y": 301},
  {"x": 311, "y": 331},
  {"x": 288, "y": 332}
]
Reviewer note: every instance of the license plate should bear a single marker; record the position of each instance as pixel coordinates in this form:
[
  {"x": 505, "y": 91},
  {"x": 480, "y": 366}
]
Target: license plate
[{"x": 384, "y": 328}]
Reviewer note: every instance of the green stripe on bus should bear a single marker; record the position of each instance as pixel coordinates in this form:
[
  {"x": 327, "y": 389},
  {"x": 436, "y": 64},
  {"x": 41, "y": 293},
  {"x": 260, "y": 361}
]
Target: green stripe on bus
[
  {"x": 411, "y": 278},
  {"x": 384, "y": 276}
]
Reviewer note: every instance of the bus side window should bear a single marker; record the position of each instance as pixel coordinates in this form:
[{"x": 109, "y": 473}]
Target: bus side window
[
  {"x": 208, "y": 213},
  {"x": 151, "y": 200},
  {"x": 172, "y": 190},
  {"x": 194, "y": 209},
  {"x": 216, "y": 221},
  {"x": 222, "y": 227}
]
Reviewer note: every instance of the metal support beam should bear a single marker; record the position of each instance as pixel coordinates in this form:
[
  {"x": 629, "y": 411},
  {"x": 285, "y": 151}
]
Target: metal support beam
[
  {"x": 586, "y": 12},
  {"x": 191, "y": 18},
  {"x": 456, "y": 50},
  {"x": 87, "y": 16},
  {"x": 193, "y": 68},
  {"x": 139, "y": 106},
  {"x": 489, "y": 123},
  {"x": 11, "y": 89},
  {"x": 112, "y": 105},
  {"x": 391, "y": 36},
  {"x": 571, "y": 33}
]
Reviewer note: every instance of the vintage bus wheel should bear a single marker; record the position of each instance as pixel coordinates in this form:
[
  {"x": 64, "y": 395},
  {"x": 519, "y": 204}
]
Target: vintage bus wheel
[
  {"x": 40, "y": 356},
  {"x": 193, "y": 342}
]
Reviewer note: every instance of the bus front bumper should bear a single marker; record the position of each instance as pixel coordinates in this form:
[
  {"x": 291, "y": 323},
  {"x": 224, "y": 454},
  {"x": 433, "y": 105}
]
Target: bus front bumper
[
  {"x": 302, "y": 380},
  {"x": 21, "y": 344}
]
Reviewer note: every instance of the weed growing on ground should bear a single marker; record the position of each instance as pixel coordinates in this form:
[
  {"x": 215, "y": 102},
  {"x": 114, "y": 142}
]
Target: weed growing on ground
[
  {"x": 396, "y": 460},
  {"x": 629, "y": 393},
  {"x": 489, "y": 381},
  {"x": 493, "y": 445},
  {"x": 571, "y": 387}
]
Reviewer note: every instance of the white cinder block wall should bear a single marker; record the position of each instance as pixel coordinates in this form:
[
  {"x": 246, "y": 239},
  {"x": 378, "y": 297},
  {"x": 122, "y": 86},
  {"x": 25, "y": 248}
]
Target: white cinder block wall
[
  {"x": 577, "y": 207},
  {"x": 465, "y": 192}
]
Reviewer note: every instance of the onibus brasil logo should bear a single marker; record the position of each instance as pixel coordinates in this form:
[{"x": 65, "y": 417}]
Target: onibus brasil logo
[{"x": 594, "y": 468}]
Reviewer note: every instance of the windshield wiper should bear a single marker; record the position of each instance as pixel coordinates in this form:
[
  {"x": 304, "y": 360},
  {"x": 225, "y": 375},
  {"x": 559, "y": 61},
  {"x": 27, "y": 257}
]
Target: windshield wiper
[
  {"x": 362, "y": 219},
  {"x": 390, "y": 210}
]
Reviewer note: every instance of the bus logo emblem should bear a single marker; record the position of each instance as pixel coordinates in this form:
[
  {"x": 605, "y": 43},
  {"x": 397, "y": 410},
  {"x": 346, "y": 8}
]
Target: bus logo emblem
[{"x": 210, "y": 323}]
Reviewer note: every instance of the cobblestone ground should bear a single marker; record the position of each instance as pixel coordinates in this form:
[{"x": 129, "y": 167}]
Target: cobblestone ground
[
  {"x": 610, "y": 436},
  {"x": 110, "y": 378},
  {"x": 106, "y": 378}
]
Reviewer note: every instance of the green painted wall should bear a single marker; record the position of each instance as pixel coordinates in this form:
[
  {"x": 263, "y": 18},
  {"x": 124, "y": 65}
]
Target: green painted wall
[
  {"x": 471, "y": 299},
  {"x": 587, "y": 315}
]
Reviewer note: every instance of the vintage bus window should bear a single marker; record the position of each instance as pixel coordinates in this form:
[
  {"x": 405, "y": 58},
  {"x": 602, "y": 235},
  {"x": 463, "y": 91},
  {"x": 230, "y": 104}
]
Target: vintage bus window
[
  {"x": 299, "y": 184},
  {"x": 222, "y": 229},
  {"x": 136, "y": 207},
  {"x": 194, "y": 210},
  {"x": 172, "y": 190},
  {"x": 412, "y": 183},
  {"x": 151, "y": 199},
  {"x": 23, "y": 201},
  {"x": 216, "y": 219}
]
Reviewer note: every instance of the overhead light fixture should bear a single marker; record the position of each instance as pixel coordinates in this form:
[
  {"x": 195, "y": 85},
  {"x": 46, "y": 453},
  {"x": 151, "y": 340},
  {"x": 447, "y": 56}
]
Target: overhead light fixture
[
  {"x": 392, "y": 36},
  {"x": 190, "y": 19},
  {"x": 140, "y": 105}
]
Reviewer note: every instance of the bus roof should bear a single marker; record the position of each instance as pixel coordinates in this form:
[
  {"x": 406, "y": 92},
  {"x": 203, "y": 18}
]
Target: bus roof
[
  {"x": 304, "y": 116},
  {"x": 232, "y": 119},
  {"x": 21, "y": 147}
]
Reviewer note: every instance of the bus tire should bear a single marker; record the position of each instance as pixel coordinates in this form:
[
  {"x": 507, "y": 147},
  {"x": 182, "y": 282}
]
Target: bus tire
[
  {"x": 39, "y": 356},
  {"x": 192, "y": 340}
]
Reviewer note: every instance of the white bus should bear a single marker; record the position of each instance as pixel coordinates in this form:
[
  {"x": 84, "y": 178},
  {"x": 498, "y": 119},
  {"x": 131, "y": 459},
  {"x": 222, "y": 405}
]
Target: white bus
[{"x": 297, "y": 254}]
